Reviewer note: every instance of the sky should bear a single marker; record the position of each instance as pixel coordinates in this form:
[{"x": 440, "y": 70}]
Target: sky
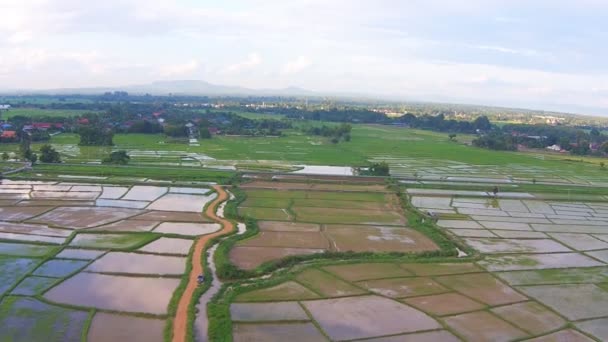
[{"x": 545, "y": 54}]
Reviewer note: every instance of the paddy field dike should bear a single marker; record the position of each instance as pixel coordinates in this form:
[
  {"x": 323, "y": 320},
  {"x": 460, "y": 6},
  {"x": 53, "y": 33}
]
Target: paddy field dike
[
  {"x": 307, "y": 258},
  {"x": 95, "y": 262},
  {"x": 337, "y": 260}
]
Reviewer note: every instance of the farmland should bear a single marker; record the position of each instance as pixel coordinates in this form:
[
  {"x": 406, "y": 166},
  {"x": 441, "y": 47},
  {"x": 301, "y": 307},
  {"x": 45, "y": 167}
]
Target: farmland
[
  {"x": 410, "y": 153},
  {"x": 97, "y": 262},
  {"x": 529, "y": 254},
  {"x": 102, "y": 252}
]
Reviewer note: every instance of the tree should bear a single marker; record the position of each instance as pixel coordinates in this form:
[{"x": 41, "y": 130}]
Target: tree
[
  {"x": 95, "y": 136},
  {"x": 379, "y": 169},
  {"x": 32, "y": 158},
  {"x": 452, "y": 136},
  {"x": 482, "y": 123},
  {"x": 204, "y": 133},
  {"x": 117, "y": 157},
  {"x": 49, "y": 155},
  {"x": 595, "y": 134},
  {"x": 176, "y": 131},
  {"x": 5, "y": 156}
]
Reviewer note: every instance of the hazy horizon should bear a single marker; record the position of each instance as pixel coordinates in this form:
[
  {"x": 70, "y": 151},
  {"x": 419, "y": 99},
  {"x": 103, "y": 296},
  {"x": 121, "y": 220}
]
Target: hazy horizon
[{"x": 542, "y": 55}]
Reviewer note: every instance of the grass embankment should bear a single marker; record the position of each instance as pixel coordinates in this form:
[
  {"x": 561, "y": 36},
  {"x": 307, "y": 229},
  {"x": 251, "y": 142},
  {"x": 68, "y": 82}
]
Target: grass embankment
[{"x": 153, "y": 172}]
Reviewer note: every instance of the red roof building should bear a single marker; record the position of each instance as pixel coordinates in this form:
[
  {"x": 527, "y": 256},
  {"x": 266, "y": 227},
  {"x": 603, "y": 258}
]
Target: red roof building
[{"x": 8, "y": 135}]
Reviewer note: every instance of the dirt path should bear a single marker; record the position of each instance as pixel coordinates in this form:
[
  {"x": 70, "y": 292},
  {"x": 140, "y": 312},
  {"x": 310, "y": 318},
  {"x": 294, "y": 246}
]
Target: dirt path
[{"x": 180, "y": 323}]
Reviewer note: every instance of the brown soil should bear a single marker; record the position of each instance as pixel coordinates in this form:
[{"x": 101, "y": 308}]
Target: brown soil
[
  {"x": 483, "y": 326},
  {"x": 403, "y": 287},
  {"x": 444, "y": 304},
  {"x": 172, "y": 216},
  {"x": 441, "y": 269},
  {"x": 530, "y": 316},
  {"x": 378, "y": 239},
  {"x": 249, "y": 258},
  {"x": 293, "y": 332},
  {"x": 180, "y": 323},
  {"x": 287, "y": 239},
  {"x": 313, "y": 186},
  {"x": 21, "y": 213},
  {"x": 109, "y": 327},
  {"x": 482, "y": 287},
  {"x": 356, "y": 272},
  {"x": 279, "y": 226}
]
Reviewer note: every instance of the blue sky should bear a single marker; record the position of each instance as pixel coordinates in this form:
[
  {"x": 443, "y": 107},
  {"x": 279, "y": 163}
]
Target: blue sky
[{"x": 536, "y": 53}]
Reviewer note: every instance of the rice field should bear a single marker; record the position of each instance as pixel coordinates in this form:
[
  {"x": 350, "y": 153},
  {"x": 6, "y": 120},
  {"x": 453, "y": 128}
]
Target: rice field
[{"x": 74, "y": 266}]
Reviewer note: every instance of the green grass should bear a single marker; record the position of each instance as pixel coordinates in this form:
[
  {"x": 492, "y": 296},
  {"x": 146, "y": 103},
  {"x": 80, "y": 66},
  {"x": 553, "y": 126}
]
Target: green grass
[
  {"x": 368, "y": 142},
  {"x": 153, "y": 172},
  {"x": 272, "y": 214},
  {"x": 319, "y": 195},
  {"x": 115, "y": 240},
  {"x": 38, "y": 112}
]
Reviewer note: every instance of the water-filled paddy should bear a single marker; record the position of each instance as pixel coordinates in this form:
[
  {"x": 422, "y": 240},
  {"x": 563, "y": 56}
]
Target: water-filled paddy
[{"x": 129, "y": 294}]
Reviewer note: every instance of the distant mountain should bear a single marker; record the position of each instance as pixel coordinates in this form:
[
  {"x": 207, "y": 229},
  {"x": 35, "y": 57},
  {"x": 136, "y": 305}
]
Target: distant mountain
[{"x": 184, "y": 87}]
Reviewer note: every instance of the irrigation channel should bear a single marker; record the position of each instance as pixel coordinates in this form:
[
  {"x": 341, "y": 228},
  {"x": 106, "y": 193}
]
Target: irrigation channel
[{"x": 180, "y": 324}]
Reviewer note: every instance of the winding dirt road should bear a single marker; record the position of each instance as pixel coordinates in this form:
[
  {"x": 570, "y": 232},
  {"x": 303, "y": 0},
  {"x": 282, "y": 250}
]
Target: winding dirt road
[{"x": 180, "y": 323}]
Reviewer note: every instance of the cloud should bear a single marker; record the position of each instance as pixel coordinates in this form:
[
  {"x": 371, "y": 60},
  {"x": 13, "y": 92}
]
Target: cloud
[
  {"x": 181, "y": 69},
  {"x": 253, "y": 60},
  {"x": 297, "y": 65}
]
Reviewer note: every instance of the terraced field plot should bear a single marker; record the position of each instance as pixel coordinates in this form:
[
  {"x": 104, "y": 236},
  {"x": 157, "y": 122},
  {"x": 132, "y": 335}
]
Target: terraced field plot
[
  {"x": 303, "y": 218},
  {"x": 425, "y": 301},
  {"x": 93, "y": 254}
]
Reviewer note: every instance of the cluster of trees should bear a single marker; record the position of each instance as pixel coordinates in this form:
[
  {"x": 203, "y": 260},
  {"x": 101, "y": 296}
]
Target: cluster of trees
[
  {"x": 381, "y": 169},
  {"x": 335, "y": 133},
  {"x": 95, "y": 136},
  {"x": 496, "y": 141},
  {"x": 146, "y": 127},
  {"x": 49, "y": 155},
  {"x": 117, "y": 158},
  {"x": 440, "y": 124}
]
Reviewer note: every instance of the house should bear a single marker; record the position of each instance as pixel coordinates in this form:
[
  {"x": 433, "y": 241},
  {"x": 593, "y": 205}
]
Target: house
[
  {"x": 5, "y": 107},
  {"x": 43, "y": 126},
  {"x": 554, "y": 147},
  {"x": 8, "y": 135},
  {"x": 83, "y": 121}
]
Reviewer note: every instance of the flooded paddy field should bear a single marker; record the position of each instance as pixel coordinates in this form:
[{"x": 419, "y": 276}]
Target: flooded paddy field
[
  {"x": 538, "y": 271},
  {"x": 68, "y": 249},
  {"x": 451, "y": 300},
  {"x": 323, "y": 217}
]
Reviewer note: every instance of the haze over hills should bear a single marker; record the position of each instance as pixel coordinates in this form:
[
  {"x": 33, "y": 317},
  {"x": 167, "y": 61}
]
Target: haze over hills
[
  {"x": 181, "y": 87},
  {"x": 204, "y": 88}
]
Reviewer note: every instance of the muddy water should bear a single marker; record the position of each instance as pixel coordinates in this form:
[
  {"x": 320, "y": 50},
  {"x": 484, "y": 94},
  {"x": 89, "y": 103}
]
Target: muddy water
[
  {"x": 182, "y": 203},
  {"x": 166, "y": 245},
  {"x": 20, "y": 213},
  {"x": 129, "y": 294},
  {"x": 79, "y": 217},
  {"x": 109, "y": 327},
  {"x": 144, "y": 193},
  {"x": 113, "y": 192},
  {"x": 184, "y": 228},
  {"x": 367, "y": 316},
  {"x": 133, "y": 263},
  {"x": 37, "y": 229}
]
